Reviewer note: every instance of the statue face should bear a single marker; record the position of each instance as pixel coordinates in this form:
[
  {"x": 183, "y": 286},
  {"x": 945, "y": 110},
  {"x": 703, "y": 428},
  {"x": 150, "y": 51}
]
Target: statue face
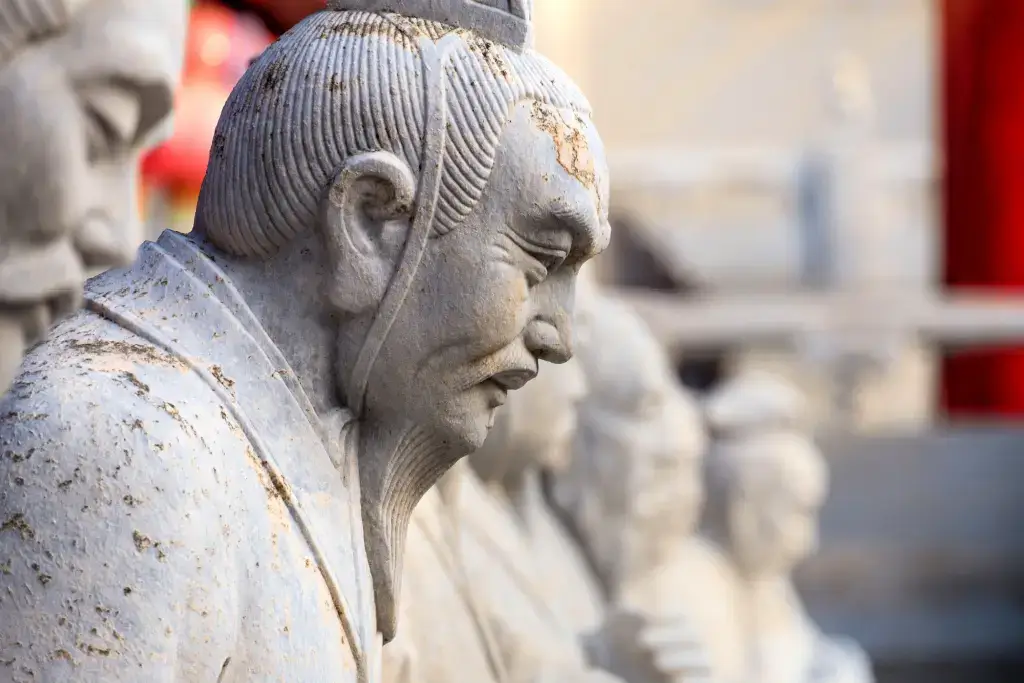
[
  {"x": 669, "y": 489},
  {"x": 495, "y": 295},
  {"x": 76, "y": 112},
  {"x": 774, "y": 515}
]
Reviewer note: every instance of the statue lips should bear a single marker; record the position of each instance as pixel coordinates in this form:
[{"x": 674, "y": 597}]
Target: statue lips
[{"x": 500, "y": 383}]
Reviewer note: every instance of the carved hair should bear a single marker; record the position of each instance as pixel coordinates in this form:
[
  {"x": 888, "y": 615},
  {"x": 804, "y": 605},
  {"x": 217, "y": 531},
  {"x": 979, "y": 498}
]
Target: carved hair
[
  {"x": 25, "y": 21},
  {"x": 342, "y": 83}
]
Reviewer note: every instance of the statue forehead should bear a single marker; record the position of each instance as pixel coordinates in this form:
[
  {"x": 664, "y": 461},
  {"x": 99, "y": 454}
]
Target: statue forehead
[
  {"x": 552, "y": 164},
  {"x": 782, "y": 463},
  {"x": 137, "y": 41}
]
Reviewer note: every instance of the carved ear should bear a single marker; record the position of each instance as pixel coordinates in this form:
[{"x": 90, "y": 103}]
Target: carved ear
[{"x": 364, "y": 218}]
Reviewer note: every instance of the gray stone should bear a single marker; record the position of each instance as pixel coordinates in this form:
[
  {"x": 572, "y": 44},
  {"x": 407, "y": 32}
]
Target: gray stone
[
  {"x": 85, "y": 87},
  {"x": 208, "y": 474}
]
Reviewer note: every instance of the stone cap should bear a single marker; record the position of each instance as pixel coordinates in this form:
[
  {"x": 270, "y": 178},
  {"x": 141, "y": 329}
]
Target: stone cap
[{"x": 502, "y": 21}]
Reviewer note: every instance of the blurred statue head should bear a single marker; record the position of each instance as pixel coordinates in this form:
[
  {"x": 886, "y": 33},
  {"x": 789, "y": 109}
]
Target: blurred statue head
[
  {"x": 86, "y": 86},
  {"x": 635, "y": 477},
  {"x": 766, "y": 479}
]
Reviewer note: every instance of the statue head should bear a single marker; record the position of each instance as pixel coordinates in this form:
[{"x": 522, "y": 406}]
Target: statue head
[
  {"x": 456, "y": 184},
  {"x": 766, "y": 479},
  {"x": 634, "y": 481},
  {"x": 86, "y": 86},
  {"x": 446, "y": 183}
]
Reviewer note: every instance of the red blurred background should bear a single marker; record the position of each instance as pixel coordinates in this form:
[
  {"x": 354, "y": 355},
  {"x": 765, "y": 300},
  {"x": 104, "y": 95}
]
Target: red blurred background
[{"x": 982, "y": 101}]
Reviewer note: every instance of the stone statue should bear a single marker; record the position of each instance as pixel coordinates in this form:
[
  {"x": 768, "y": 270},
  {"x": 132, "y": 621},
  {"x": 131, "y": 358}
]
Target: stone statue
[
  {"x": 766, "y": 483},
  {"x": 631, "y": 490},
  {"x": 208, "y": 474},
  {"x": 85, "y": 86}
]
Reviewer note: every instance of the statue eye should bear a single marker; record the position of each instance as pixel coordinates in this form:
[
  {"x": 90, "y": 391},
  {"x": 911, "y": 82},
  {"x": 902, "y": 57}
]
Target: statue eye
[{"x": 113, "y": 115}]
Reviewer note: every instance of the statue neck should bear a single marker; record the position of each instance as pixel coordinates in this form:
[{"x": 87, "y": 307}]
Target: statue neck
[{"x": 285, "y": 293}]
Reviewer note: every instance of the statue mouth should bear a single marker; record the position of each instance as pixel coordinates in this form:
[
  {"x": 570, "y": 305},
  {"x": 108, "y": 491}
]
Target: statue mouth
[{"x": 513, "y": 378}]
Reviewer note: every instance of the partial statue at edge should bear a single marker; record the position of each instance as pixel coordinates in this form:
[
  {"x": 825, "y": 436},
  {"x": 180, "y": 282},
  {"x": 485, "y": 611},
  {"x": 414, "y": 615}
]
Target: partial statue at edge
[
  {"x": 209, "y": 473},
  {"x": 85, "y": 86}
]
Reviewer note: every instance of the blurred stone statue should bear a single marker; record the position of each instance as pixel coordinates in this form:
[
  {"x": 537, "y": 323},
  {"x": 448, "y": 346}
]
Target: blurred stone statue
[
  {"x": 208, "y": 474},
  {"x": 84, "y": 87},
  {"x": 765, "y": 486},
  {"x": 632, "y": 490}
]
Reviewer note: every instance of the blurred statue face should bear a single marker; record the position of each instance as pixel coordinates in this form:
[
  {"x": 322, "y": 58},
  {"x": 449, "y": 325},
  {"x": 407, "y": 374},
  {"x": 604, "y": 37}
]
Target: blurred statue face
[
  {"x": 77, "y": 110},
  {"x": 668, "y": 480},
  {"x": 773, "y": 511}
]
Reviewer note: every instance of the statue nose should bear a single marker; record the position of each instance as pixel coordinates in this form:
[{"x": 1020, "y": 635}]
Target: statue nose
[{"x": 547, "y": 342}]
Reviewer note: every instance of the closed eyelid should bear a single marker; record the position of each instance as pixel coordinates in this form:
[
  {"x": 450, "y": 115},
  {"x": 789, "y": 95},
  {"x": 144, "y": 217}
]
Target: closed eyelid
[
  {"x": 534, "y": 248},
  {"x": 131, "y": 108}
]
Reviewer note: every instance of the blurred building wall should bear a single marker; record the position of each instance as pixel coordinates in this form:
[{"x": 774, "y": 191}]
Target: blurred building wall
[{"x": 678, "y": 85}]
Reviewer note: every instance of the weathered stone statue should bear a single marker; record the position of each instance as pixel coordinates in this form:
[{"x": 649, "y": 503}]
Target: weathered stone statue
[
  {"x": 766, "y": 483},
  {"x": 84, "y": 86},
  {"x": 631, "y": 490},
  {"x": 207, "y": 475}
]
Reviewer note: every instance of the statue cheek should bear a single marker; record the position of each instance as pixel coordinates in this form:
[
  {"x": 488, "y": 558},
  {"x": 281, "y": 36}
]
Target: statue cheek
[{"x": 500, "y": 304}]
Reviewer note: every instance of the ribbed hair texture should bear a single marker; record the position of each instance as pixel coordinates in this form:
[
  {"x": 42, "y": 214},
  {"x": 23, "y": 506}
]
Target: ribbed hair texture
[
  {"x": 344, "y": 83},
  {"x": 24, "y": 21}
]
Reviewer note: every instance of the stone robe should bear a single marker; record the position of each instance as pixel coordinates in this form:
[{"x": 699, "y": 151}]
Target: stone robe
[
  {"x": 172, "y": 509},
  {"x": 568, "y": 583}
]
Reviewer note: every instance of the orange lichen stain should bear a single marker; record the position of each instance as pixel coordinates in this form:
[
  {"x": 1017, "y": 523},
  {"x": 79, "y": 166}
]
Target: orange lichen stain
[{"x": 572, "y": 150}]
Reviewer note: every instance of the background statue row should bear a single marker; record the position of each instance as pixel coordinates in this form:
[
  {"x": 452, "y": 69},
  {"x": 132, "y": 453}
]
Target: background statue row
[{"x": 579, "y": 542}]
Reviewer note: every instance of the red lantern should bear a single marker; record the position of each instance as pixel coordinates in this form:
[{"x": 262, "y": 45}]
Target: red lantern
[{"x": 220, "y": 45}]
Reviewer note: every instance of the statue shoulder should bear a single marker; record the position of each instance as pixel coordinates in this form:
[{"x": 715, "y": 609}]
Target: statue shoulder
[{"x": 107, "y": 529}]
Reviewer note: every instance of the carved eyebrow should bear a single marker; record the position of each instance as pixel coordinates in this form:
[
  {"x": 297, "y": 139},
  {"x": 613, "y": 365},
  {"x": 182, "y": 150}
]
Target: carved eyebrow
[
  {"x": 585, "y": 232},
  {"x": 155, "y": 98}
]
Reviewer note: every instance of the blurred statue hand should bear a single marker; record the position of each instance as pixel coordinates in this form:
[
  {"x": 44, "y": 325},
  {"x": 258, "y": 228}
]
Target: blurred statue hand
[
  {"x": 649, "y": 650},
  {"x": 839, "y": 661}
]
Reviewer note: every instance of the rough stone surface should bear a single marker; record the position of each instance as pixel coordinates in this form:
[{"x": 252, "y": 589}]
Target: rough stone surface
[
  {"x": 208, "y": 474},
  {"x": 85, "y": 87}
]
